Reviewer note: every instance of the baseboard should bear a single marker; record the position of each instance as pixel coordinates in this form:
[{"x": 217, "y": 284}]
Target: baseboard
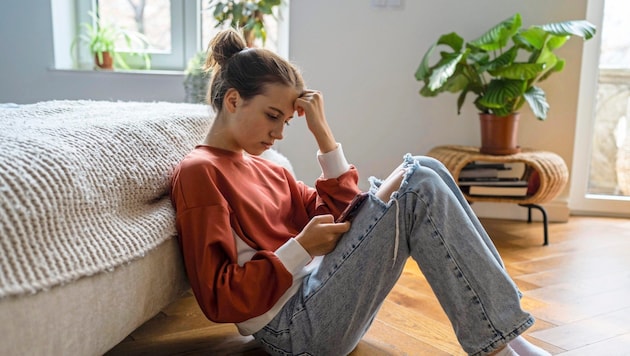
[{"x": 557, "y": 211}]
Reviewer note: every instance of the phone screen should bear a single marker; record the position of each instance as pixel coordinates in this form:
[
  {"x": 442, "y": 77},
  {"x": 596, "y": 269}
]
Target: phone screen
[{"x": 348, "y": 213}]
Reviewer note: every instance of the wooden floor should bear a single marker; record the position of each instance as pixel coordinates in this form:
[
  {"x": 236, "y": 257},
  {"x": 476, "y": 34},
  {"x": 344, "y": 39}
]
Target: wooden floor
[{"x": 578, "y": 288}]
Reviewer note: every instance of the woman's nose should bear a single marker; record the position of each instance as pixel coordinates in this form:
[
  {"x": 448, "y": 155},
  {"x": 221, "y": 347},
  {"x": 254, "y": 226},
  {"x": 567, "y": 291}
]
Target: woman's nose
[{"x": 277, "y": 132}]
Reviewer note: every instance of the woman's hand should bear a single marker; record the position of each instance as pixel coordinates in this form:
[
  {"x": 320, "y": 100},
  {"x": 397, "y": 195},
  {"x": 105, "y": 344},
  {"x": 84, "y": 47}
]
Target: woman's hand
[
  {"x": 321, "y": 234},
  {"x": 311, "y": 105}
]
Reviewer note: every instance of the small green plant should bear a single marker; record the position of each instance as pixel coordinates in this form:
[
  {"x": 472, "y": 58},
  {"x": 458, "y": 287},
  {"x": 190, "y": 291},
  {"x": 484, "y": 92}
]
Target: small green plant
[
  {"x": 247, "y": 15},
  {"x": 101, "y": 39},
  {"x": 502, "y": 66}
]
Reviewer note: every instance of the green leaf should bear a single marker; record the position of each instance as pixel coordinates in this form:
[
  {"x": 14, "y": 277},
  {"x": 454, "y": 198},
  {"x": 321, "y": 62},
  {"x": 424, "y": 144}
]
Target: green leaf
[
  {"x": 444, "y": 70},
  {"x": 452, "y": 40},
  {"x": 461, "y": 99},
  {"x": 581, "y": 28},
  {"x": 498, "y": 36},
  {"x": 423, "y": 71},
  {"x": 556, "y": 42},
  {"x": 533, "y": 37},
  {"x": 537, "y": 101},
  {"x": 501, "y": 94},
  {"x": 519, "y": 71},
  {"x": 426, "y": 92},
  {"x": 557, "y": 68},
  {"x": 504, "y": 60},
  {"x": 548, "y": 58},
  {"x": 458, "y": 81}
]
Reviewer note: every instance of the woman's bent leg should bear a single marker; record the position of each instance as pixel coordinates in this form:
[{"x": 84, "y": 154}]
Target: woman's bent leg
[
  {"x": 424, "y": 219},
  {"x": 441, "y": 170},
  {"x": 460, "y": 263}
]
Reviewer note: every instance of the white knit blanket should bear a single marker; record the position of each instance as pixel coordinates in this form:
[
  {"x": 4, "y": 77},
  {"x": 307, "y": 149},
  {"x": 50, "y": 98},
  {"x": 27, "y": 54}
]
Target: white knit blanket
[{"x": 84, "y": 186}]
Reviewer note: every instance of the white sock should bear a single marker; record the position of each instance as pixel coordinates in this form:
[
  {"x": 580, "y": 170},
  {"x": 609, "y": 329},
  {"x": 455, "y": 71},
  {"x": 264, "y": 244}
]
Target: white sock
[
  {"x": 526, "y": 348},
  {"x": 507, "y": 351}
]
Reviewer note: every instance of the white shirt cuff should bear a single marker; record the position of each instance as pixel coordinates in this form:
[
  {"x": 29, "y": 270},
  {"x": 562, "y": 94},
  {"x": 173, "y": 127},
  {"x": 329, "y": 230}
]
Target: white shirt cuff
[
  {"x": 293, "y": 256},
  {"x": 333, "y": 163}
]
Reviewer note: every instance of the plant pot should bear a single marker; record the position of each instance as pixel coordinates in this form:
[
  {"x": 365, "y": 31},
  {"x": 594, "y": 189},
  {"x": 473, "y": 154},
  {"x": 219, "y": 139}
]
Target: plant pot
[
  {"x": 196, "y": 88},
  {"x": 499, "y": 134},
  {"x": 108, "y": 61}
]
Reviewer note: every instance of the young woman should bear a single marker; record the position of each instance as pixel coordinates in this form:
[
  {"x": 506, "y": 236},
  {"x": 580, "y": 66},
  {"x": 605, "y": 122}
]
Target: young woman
[{"x": 263, "y": 250}]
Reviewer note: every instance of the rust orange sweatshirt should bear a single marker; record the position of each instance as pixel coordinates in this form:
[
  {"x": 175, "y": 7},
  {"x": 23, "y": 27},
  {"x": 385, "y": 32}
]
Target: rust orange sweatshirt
[{"x": 236, "y": 217}]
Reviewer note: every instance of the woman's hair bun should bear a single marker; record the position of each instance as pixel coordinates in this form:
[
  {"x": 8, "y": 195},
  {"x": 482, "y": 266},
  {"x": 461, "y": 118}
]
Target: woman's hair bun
[{"x": 223, "y": 46}]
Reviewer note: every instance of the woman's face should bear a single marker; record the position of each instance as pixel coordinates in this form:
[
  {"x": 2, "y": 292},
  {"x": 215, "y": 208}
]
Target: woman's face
[{"x": 258, "y": 122}]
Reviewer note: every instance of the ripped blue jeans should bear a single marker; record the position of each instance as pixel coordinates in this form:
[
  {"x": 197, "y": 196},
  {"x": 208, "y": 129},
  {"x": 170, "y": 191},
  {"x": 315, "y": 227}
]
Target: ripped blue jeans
[{"x": 429, "y": 220}]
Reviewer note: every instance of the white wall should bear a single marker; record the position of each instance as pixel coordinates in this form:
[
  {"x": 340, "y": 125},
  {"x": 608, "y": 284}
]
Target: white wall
[{"x": 362, "y": 58}]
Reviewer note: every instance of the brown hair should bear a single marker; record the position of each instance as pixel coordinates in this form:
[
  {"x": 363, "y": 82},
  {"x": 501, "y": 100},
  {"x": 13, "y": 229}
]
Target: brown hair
[{"x": 247, "y": 70}]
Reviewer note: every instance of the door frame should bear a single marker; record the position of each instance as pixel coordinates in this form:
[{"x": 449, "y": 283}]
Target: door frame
[{"x": 580, "y": 201}]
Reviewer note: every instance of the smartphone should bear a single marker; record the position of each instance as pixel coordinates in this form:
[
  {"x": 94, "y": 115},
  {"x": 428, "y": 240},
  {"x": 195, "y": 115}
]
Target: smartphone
[{"x": 350, "y": 211}]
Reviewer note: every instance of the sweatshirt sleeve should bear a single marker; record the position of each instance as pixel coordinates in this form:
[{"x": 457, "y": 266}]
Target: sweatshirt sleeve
[
  {"x": 333, "y": 163},
  {"x": 337, "y": 185}
]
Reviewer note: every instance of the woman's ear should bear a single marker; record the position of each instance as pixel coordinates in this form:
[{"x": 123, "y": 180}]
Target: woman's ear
[{"x": 231, "y": 100}]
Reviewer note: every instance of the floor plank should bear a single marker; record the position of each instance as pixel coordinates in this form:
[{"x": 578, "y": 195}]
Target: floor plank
[{"x": 578, "y": 288}]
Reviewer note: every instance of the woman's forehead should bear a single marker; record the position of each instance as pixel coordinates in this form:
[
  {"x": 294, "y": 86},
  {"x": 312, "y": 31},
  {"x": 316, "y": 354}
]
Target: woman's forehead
[{"x": 281, "y": 96}]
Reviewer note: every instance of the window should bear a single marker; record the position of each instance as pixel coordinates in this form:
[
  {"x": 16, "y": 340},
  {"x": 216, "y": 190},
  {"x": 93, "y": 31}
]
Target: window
[
  {"x": 175, "y": 29},
  {"x": 601, "y": 165}
]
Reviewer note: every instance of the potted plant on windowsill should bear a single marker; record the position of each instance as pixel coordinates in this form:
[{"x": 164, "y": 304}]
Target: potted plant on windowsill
[
  {"x": 246, "y": 15},
  {"x": 502, "y": 69},
  {"x": 196, "y": 78},
  {"x": 101, "y": 39}
]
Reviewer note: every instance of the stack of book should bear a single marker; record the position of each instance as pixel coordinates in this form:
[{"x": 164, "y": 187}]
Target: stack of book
[{"x": 494, "y": 179}]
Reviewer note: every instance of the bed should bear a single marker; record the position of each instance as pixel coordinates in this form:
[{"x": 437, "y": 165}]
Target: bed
[{"x": 88, "y": 250}]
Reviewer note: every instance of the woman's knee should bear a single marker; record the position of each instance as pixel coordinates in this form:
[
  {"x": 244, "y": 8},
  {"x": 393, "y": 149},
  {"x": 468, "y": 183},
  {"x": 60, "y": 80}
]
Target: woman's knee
[{"x": 431, "y": 162}]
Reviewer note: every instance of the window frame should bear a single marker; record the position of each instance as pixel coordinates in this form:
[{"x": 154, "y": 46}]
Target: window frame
[
  {"x": 185, "y": 31},
  {"x": 185, "y": 34}
]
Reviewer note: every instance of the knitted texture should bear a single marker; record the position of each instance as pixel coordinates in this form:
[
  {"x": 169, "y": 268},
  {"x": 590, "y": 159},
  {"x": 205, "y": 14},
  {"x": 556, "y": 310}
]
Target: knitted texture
[{"x": 84, "y": 186}]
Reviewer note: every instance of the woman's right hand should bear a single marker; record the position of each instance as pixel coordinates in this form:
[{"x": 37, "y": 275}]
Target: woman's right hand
[
  {"x": 321, "y": 234},
  {"x": 311, "y": 105}
]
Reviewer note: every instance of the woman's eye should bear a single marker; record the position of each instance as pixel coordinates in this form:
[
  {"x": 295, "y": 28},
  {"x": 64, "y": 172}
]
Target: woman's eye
[
  {"x": 272, "y": 117},
  {"x": 287, "y": 123}
]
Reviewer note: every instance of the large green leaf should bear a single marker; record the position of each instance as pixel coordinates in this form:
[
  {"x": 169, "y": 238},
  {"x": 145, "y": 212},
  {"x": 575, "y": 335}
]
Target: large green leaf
[
  {"x": 452, "y": 40},
  {"x": 443, "y": 71},
  {"x": 532, "y": 37},
  {"x": 519, "y": 71},
  {"x": 556, "y": 68},
  {"x": 504, "y": 60},
  {"x": 555, "y": 42},
  {"x": 424, "y": 70},
  {"x": 547, "y": 58},
  {"x": 499, "y": 35},
  {"x": 537, "y": 101},
  {"x": 581, "y": 28},
  {"x": 502, "y": 92},
  {"x": 456, "y": 82},
  {"x": 461, "y": 99}
]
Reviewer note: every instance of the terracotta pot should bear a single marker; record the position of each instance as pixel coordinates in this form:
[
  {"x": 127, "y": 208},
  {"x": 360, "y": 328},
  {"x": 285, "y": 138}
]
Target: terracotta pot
[
  {"x": 108, "y": 61},
  {"x": 499, "y": 134}
]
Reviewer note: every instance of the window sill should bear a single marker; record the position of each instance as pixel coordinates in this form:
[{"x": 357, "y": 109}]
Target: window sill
[{"x": 151, "y": 72}]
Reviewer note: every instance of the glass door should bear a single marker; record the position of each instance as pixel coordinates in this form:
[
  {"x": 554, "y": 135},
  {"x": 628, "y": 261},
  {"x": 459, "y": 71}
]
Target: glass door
[{"x": 601, "y": 164}]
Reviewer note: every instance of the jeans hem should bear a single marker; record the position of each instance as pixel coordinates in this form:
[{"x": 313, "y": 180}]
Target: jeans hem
[{"x": 505, "y": 339}]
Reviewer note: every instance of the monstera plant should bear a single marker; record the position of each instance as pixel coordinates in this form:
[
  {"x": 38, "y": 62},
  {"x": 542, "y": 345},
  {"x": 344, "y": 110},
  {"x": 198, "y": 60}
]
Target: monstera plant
[{"x": 501, "y": 69}]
